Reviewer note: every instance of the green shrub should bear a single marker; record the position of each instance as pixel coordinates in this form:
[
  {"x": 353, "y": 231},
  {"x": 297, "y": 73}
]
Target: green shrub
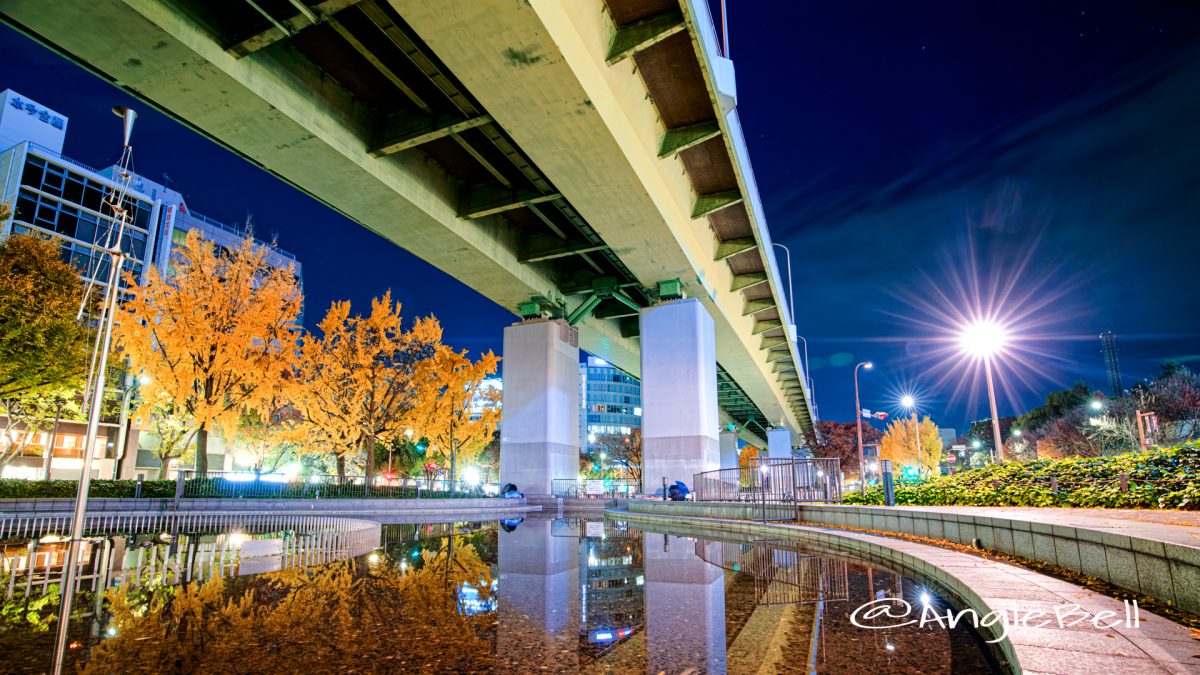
[
  {"x": 17, "y": 488},
  {"x": 1166, "y": 478}
]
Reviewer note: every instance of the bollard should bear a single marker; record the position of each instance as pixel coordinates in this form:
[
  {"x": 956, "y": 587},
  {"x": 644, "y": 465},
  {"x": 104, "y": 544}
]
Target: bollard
[
  {"x": 1124, "y": 482},
  {"x": 137, "y": 490},
  {"x": 664, "y": 488},
  {"x": 1054, "y": 484},
  {"x": 889, "y": 493}
]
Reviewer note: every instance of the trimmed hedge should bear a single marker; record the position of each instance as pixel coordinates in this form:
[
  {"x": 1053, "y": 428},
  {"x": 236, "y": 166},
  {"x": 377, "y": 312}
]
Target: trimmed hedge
[
  {"x": 18, "y": 488},
  {"x": 1166, "y": 478}
]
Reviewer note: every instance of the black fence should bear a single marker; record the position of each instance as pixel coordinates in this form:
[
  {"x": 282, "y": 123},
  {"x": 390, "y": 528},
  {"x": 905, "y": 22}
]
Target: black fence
[
  {"x": 245, "y": 485},
  {"x": 776, "y": 481}
]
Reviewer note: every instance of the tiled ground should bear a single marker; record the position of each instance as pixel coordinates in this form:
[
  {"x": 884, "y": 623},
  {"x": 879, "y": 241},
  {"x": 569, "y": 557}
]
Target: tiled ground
[{"x": 1156, "y": 645}]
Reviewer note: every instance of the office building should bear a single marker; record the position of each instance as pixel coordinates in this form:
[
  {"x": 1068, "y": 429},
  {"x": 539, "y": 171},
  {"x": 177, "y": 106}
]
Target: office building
[
  {"x": 62, "y": 198},
  {"x": 610, "y": 402}
]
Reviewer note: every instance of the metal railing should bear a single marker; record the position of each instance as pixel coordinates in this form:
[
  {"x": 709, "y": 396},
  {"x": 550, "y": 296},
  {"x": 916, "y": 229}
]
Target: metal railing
[
  {"x": 142, "y": 549},
  {"x": 247, "y": 485},
  {"x": 810, "y": 479},
  {"x": 594, "y": 488}
]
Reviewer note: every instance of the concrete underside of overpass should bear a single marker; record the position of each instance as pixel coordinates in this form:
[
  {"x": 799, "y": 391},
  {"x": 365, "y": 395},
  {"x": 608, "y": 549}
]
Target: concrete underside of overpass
[{"x": 545, "y": 178}]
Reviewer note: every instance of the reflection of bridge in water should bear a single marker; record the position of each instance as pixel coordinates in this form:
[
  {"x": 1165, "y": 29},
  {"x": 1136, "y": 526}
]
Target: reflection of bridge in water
[{"x": 136, "y": 550}]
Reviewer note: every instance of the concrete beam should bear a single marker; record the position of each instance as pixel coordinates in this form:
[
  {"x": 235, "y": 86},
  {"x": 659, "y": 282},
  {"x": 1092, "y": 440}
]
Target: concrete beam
[
  {"x": 681, "y": 138},
  {"x": 710, "y": 203},
  {"x": 293, "y": 24},
  {"x": 644, "y": 33},
  {"x": 413, "y": 131}
]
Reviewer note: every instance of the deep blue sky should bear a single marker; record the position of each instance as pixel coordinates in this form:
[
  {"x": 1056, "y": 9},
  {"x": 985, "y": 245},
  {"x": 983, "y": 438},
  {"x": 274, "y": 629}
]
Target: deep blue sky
[{"x": 885, "y": 136}]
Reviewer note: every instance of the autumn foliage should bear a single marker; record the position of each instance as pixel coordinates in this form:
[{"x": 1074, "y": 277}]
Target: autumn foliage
[
  {"x": 364, "y": 377},
  {"x": 215, "y": 337},
  {"x": 899, "y": 444}
]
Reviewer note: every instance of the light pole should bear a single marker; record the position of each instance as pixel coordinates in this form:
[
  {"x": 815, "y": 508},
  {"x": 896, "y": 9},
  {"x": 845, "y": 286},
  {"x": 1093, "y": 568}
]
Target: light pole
[
  {"x": 792, "y": 316},
  {"x": 112, "y": 294},
  {"x": 984, "y": 339},
  {"x": 909, "y": 403},
  {"x": 862, "y": 466}
]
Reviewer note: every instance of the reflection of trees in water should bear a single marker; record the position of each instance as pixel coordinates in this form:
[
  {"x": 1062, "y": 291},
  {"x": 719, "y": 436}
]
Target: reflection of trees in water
[{"x": 350, "y": 615}]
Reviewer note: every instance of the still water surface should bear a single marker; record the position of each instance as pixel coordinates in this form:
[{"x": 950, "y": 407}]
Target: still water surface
[{"x": 538, "y": 595}]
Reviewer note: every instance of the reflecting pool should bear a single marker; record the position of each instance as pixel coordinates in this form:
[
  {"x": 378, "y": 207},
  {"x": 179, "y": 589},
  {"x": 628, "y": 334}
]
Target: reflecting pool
[{"x": 515, "y": 596}]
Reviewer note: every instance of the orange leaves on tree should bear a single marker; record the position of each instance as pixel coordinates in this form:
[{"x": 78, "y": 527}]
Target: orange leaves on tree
[
  {"x": 362, "y": 377},
  {"x": 214, "y": 337},
  {"x": 458, "y": 415},
  {"x": 899, "y": 444}
]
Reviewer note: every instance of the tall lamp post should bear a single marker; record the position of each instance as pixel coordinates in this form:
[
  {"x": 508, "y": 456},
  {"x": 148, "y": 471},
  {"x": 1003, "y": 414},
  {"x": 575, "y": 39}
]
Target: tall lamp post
[
  {"x": 984, "y": 339},
  {"x": 909, "y": 403},
  {"x": 793, "y": 334},
  {"x": 862, "y": 465}
]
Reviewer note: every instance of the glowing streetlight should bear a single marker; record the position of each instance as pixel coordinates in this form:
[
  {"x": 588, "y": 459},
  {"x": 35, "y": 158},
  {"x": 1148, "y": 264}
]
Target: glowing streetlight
[
  {"x": 985, "y": 339},
  {"x": 1096, "y": 405},
  {"x": 862, "y": 478},
  {"x": 909, "y": 403},
  {"x": 1016, "y": 432}
]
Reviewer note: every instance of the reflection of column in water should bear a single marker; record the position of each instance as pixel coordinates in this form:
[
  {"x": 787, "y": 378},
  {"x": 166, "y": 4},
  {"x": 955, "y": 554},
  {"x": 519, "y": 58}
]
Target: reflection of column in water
[
  {"x": 539, "y": 598},
  {"x": 685, "y": 606}
]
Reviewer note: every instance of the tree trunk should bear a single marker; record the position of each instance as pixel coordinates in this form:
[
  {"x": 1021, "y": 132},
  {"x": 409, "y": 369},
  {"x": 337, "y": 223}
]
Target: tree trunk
[
  {"x": 162, "y": 468},
  {"x": 202, "y": 451},
  {"x": 341, "y": 468},
  {"x": 369, "y": 448}
]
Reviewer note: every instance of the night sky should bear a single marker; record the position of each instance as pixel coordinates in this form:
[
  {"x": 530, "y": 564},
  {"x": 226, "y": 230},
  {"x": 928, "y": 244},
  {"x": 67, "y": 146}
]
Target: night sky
[{"x": 1049, "y": 150}]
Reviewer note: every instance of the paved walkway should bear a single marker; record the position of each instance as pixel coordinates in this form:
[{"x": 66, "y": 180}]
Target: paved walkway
[
  {"x": 1175, "y": 527},
  {"x": 1075, "y": 645}
]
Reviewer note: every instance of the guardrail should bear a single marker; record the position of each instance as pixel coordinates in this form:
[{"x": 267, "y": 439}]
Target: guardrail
[
  {"x": 809, "y": 479},
  {"x": 247, "y": 485},
  {"x": 593, "y": 488}
]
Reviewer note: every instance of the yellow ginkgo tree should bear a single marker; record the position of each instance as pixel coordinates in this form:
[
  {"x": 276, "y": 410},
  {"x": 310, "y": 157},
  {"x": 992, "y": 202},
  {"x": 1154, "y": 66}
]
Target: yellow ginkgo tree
[
  {"x": 459, "y": 413},
  {"x": 213, "y": 336},
  {"x": 900, "y": 444},
  {"x": 361, "y": 377}
]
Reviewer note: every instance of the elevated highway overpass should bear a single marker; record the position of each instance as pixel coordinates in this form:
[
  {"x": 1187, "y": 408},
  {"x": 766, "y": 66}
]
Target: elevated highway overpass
[{"x": 580, "y": 163}]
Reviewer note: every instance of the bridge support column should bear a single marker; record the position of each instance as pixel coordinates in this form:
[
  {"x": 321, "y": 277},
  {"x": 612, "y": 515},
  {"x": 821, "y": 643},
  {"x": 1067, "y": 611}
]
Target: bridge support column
[
  {"x": 729, "y": 450},
  {"x": 539, "y": 425},
  {"x": 679, "y": 393},
  {"x": 779, "y": 443},
  {"x": 685, "y": 605}
]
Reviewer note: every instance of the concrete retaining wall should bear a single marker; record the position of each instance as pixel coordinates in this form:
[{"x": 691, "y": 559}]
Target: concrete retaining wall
[
  {"x": 1166, "y": 571},
  {"x": 740, "y": 510}
]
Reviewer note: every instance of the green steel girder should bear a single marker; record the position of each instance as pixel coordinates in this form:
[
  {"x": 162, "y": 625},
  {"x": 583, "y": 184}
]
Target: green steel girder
[
  {"x": 408, "y": 130},
  {"x": 731, "y": 247},
  {"x": 579, "y": 313},
  {"x": 765, "y": 325},
  {"x": 487, "y": 199},
  {"x": 561, "y": 250},
  {"x": 772, "y": 341},
  {"x": 756, "y": 306},
  {"x": 741, "y": 281},
  {"x": 647, "y": 32},
  {"x": 715, "y": 201},
  {"x": 681, "y": 138}
]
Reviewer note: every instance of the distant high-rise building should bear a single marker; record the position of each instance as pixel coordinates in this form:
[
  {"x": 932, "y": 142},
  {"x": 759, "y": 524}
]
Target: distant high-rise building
[
  {"x": 610, "y": 402},
  {"x": 1108, "y": 347}
]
